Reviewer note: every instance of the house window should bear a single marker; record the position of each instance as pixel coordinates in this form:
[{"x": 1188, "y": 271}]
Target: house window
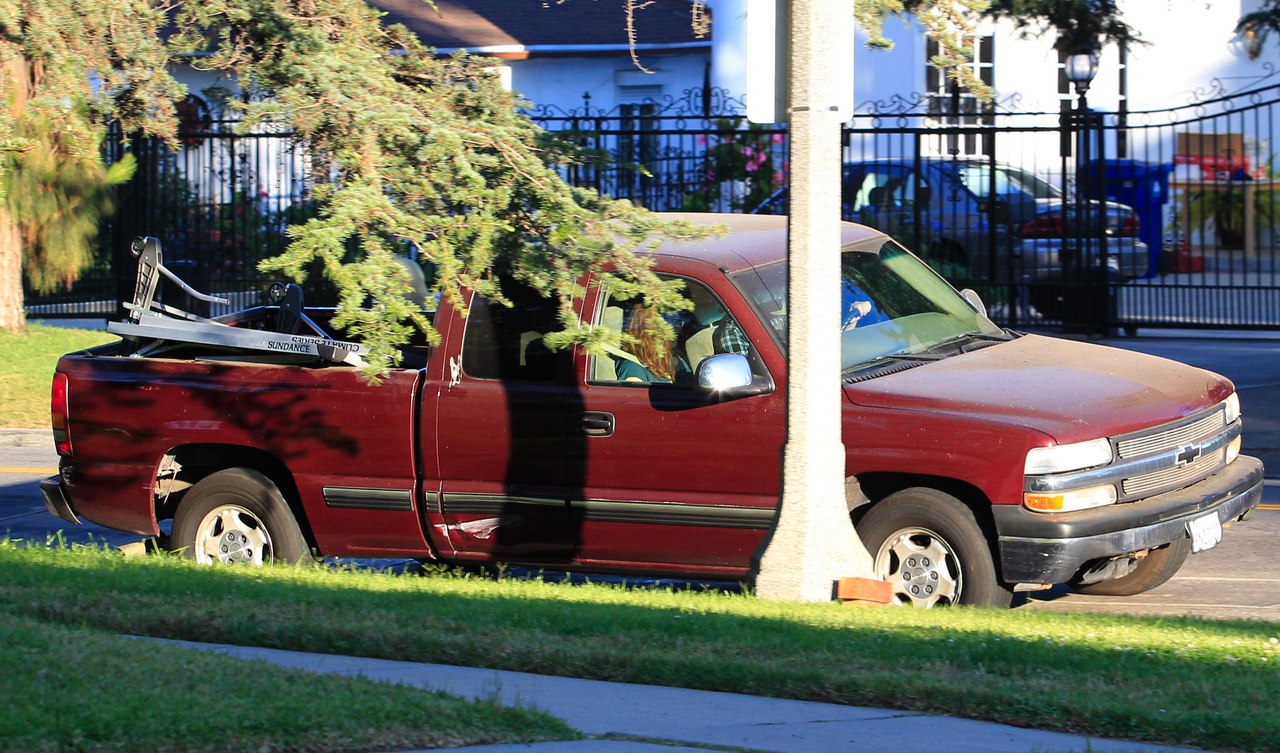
[{"x": 950, "y": 107}]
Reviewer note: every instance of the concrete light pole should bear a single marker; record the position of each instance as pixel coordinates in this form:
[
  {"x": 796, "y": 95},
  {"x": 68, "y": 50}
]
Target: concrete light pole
[{"x": 814, "y": 543}]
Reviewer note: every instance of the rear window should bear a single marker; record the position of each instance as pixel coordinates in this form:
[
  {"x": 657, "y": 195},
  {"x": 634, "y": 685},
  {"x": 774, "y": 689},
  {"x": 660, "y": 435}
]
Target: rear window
[{"x": 506, "y": 342}]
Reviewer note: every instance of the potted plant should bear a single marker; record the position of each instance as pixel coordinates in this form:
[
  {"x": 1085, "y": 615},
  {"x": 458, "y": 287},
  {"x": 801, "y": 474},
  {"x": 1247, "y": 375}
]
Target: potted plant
[{"x": 1223, "y": 205}]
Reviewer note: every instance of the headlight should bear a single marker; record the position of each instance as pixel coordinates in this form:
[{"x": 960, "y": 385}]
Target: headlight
[
  {"x": 1068, "y": 457},
  {"x": 1078, "y": 499},
  {"x": 1233, "y": 407},
  {"x": 1233, "y": 450}
]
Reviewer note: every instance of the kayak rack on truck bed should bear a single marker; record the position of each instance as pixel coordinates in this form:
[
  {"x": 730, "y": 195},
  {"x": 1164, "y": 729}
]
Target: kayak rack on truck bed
[{"x": 154, "y": 324}]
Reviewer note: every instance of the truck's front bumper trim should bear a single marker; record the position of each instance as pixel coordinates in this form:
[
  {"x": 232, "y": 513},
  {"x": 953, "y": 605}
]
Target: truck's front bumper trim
[
  {"x": 1053, "y": 557},
  {"x": 56, "y": 501}
]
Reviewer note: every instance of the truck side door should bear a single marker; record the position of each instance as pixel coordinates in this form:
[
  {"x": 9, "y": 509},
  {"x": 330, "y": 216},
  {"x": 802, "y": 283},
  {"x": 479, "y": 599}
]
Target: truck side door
[
  {"x": 671, "y": 476},
  {"x": 500, "y": 433}
]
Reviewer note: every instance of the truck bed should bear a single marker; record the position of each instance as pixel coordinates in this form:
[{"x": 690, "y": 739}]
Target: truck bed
[{"x": 321, "y": 431}]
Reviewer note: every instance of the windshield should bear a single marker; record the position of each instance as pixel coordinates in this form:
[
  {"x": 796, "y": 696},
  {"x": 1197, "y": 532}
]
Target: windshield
[
  {"x": 1008, "y": 181},
  {"x": 892, "y": 304}
]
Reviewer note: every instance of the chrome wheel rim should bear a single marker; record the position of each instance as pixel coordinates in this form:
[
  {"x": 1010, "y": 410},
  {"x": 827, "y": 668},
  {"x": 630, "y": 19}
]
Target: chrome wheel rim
[
  {"x": 922, "y": 567},
  {"x": 231, "y": 534}
]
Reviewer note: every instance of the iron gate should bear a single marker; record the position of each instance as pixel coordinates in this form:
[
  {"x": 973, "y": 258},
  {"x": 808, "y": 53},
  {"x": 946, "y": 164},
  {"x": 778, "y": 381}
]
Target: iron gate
[{"x": 1095, "y": 221}]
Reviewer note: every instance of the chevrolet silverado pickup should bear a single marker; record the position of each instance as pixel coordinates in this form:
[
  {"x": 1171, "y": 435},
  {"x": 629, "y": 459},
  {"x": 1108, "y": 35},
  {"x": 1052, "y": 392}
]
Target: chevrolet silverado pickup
[{"x": 982, "y": 461}]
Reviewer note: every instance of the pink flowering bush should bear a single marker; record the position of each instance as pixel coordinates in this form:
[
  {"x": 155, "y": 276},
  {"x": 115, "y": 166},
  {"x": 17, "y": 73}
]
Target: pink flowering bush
[{"x": 749, "y": 160}]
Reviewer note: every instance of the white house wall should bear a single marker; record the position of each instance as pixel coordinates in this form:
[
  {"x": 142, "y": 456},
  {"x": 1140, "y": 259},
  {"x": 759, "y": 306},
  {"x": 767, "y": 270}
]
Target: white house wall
[
  {"x": 1191, "y": 44},
  {"x": 611, "y": 80}
]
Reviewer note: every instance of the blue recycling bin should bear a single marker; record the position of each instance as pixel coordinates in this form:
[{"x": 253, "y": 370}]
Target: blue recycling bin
[{"x": 1141, "y": 185}]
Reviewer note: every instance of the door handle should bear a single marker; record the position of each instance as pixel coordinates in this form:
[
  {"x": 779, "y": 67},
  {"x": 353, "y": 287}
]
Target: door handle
[{"x": 597, "y": 424}]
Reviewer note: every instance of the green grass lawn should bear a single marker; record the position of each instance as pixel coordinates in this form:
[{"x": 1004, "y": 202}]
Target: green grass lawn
[
  {"x": 26, "y": 371},
  {"x": 1175, "y": 681},
  {"x": 77, "y": 689}
]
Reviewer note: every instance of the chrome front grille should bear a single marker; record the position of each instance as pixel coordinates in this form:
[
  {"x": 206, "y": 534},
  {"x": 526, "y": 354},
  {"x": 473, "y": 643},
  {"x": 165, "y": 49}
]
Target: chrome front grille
[
  {"x": 1156, "y": 460},
  {"x": 1196, "y": 431},
  {"x": 1149, "y": 483},
  {"x": 1195, "y": 446}
]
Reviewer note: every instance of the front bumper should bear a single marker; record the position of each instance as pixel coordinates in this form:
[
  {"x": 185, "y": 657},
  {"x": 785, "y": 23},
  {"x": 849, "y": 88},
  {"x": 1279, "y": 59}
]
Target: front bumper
[{"x": 1052, "y": 548}]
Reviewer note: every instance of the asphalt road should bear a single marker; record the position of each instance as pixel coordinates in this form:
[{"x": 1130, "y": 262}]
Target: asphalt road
[{"x": 1238, "y": 579}]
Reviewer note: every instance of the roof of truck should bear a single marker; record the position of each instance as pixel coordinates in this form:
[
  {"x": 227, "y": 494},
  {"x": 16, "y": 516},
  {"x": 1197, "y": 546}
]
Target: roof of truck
[{"x": 749, "y": 240}]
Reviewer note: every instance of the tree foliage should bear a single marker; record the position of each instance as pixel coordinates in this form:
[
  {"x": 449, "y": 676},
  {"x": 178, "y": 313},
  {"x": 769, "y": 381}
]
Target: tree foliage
[
  {"x": 66, "y": 68},
  {"x": 80, "y": 63},
  {"x": 409, "y": 149},
  {"x": 1079, "y": 25},
  {"x": 1263, "y": 22},
  {"x": 56, "y": 203}
]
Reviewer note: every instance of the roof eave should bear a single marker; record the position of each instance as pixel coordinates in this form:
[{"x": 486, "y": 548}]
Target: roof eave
[{"x": 571, "y": 49}]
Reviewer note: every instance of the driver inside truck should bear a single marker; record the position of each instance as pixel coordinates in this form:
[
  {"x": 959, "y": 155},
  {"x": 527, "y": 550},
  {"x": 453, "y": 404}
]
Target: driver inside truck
[{"x": 711, "y": 331}]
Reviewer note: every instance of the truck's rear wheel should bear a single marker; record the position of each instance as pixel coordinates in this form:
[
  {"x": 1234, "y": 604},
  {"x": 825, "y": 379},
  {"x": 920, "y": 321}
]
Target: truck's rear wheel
[
  {"x": 237, "y": 516},
  {"x": 1153, "y": 570},
  {"x": 929, "y": 546}
]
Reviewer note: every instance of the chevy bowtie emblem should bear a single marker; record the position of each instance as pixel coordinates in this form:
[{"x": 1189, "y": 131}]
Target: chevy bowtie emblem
[{"x": 1188, "y": 454}]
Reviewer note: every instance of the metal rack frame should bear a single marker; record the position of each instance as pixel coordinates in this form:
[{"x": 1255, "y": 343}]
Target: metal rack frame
[{"x": 155, "y": 324}]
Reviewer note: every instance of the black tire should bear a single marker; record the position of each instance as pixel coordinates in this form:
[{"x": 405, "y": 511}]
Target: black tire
[
  {"x": 929, "y": 545},
  {"x": 1153, "y": 570},
  {"x": 237, "y": 515}
]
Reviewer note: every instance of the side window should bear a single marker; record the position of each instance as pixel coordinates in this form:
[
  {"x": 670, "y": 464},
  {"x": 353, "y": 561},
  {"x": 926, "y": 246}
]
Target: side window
[
  {"x": 879, "y": 191},
  {"x": 506, "y": 343},
  {"x": 885, "y": 191},
  {"x": 706, "y": 330}
]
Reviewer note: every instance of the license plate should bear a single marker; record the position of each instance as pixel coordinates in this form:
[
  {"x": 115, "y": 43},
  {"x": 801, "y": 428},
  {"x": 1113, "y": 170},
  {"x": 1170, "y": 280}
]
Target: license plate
[{"x": 1205, "y": 532}]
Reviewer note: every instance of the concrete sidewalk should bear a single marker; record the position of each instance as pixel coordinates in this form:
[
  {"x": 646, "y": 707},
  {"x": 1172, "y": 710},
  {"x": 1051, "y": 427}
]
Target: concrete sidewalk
[{"x": 627, "y": 718}]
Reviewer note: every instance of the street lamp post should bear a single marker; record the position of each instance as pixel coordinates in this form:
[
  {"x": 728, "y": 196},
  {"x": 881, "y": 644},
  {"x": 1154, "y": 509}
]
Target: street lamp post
[{"x": 1080, "y": 68}]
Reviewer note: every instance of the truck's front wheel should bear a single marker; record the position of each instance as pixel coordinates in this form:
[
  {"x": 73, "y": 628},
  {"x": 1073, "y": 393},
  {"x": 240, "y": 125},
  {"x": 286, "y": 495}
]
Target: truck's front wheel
[
  {"x": 929, "y": 546},
  {"x": 237, "y": 515}
]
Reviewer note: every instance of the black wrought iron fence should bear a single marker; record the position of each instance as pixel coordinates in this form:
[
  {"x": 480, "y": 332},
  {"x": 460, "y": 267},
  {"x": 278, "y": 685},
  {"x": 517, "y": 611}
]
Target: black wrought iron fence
[
  {"x": 1097, "y": 222},
  {"x": 675, "y": 154},
  {"x": 219, "y": 203},
  {"x": 1091, "y": 221}
]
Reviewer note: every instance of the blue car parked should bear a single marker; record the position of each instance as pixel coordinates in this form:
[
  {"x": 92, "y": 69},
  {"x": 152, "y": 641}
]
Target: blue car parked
[{"x": 994, "y": 221}]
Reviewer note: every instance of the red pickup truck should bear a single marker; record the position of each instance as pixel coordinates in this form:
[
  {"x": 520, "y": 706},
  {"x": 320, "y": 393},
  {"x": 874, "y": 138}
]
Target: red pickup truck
[{"x": 986, "y": 461}]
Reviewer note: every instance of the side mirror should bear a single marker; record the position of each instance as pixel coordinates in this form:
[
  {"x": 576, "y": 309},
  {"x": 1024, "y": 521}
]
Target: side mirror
[
  {"x": 971, "y": 296},
  {"x": 725, "y": 373}
]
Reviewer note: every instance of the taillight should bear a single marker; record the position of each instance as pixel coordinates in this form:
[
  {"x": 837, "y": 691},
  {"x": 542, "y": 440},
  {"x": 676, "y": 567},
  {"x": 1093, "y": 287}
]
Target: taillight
[
  {"x": 1129, "y": 225},
  {"x": 60, "y": 415},
  {"x": 1048, "y": 225}
]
